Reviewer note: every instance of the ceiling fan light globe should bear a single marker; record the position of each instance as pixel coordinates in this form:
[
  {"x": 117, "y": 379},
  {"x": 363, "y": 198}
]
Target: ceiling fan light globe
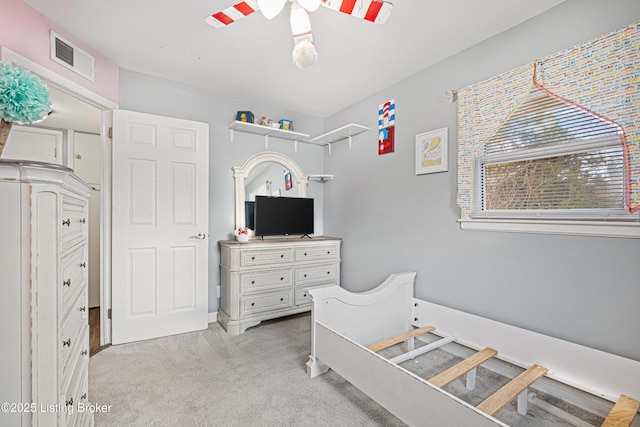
[
  {"x": 310, "y": 5},
  {"x": 270, "y": 8},
  {"x": 304, "y": 55}
]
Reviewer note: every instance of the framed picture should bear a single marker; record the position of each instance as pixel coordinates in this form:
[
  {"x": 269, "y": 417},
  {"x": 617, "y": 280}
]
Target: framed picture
[
  {"x": 431, "y": 151},
  {"x": 288, "y": 182}
]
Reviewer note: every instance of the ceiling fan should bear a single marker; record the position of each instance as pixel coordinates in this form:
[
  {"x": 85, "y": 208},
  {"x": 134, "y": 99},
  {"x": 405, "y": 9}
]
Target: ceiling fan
[{"x": 304, "y": 52}]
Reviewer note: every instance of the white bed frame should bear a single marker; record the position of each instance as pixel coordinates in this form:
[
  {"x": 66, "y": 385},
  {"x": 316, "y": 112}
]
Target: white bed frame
[{"x": 343, "y": 323}]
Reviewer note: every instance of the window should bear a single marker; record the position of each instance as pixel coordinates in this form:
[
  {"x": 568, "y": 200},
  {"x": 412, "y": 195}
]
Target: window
[
  {"x": 554, "y": 146},
  {"x": 551, "y": 159}
]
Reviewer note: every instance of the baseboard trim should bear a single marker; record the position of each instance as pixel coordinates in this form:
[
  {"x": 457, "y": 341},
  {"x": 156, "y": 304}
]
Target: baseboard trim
[{"x": 212, "y": 317}]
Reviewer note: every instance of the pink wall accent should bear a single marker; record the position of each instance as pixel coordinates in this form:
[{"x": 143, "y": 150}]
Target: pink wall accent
[{"x": 25, "y": 31}]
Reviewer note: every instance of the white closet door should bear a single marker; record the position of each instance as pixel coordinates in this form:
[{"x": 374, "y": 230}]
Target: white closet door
[
  {"x": 32, "y": 143},
  {"x": 86, "y": 157},
  {"x": 160, "y": 225}
]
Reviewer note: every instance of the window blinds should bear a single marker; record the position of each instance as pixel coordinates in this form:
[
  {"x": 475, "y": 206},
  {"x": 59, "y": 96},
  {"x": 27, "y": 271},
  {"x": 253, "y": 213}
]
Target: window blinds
[
  {"x": 599, "y": 78},
  {"x": 551, "y": 156}
]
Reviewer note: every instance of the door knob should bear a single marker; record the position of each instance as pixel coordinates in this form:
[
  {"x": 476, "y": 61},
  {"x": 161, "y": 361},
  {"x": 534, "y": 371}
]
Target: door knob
[{"x": 199, "y": 236}]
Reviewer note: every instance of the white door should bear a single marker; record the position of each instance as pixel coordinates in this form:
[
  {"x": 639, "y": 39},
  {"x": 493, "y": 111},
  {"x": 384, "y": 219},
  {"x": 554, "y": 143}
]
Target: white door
[
  {"x": 85, "y": 155},
  {"x": 159, "y": 225},
  {"x": 87, "y": 150},
  {"x": 33, "y": 143}
]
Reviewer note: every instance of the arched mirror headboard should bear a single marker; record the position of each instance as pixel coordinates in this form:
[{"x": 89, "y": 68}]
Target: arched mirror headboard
[{"x": 241, "y": 173}]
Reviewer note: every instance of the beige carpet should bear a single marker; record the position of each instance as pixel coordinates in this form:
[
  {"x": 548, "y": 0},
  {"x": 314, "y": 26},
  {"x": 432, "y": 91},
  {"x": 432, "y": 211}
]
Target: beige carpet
[{"x": 211, "y": 378}]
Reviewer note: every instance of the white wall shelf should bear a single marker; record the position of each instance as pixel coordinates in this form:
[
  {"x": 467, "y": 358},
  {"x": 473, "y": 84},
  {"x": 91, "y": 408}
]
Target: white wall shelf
[
  {"x": 344, "y": 132},
  {"x": 328, "y": 138},
  {"x": 266, "y": 131},
  {"x": 321, "y": 178}
]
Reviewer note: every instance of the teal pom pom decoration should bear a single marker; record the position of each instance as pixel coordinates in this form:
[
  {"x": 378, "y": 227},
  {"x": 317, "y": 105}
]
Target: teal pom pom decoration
[{"x": 24, "y": 98}]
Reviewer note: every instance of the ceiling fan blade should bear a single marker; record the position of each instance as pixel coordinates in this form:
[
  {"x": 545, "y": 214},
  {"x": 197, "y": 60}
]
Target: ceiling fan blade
[
  {"x": 270, "y": 8},
  {"x": 376, "y": 11},
  {"x": 310, "y": 5},
  {"x": 232, "y": 14}
]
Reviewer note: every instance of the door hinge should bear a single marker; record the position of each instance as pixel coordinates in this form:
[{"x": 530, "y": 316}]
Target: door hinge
[
  {"x": 109, "y": 314},
  {"x": 111, "y": 133}
]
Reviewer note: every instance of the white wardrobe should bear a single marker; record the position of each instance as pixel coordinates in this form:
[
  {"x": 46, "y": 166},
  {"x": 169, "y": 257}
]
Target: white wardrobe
[{"x": 43, "y": 296}]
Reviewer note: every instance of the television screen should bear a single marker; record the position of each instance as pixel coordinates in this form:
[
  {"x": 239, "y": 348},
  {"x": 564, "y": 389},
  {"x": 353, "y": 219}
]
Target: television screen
[{"x": 281, "y": 216}]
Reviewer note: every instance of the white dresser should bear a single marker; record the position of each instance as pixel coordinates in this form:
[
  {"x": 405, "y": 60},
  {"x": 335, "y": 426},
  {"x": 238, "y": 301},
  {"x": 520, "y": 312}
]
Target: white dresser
[
  {"x": 43, "y": 296},
  {"x": 266, "y": 279}
]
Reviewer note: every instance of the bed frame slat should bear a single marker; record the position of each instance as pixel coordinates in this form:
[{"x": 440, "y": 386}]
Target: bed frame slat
[
  {"x": 388, "y": 342},
  {"x": 475, "y": 360},
  {"x": 622, "y": 413},
  {"x": 498, "y": 400}
]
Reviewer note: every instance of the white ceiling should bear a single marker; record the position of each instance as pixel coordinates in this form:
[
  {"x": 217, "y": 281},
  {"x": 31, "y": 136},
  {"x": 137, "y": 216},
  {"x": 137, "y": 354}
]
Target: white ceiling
[{"x": 251, "y": 58}]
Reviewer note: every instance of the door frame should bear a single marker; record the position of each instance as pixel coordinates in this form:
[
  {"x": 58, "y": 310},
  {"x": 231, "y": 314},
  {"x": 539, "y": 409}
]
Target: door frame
[{"x": 106, "y": 106}]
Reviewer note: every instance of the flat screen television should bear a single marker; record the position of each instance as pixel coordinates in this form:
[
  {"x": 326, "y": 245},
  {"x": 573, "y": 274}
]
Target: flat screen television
[{"x": 283, "y": 216}]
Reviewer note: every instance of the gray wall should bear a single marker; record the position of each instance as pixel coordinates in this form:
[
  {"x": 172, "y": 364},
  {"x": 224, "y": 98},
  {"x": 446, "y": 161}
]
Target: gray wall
[
  {"x": 583, "y": 289},
  {"x": 143, "y": 93}
]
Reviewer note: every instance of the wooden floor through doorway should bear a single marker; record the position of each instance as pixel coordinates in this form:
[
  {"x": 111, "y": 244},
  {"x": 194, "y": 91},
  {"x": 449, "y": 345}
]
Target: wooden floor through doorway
[{"x": 94, "y": 330}]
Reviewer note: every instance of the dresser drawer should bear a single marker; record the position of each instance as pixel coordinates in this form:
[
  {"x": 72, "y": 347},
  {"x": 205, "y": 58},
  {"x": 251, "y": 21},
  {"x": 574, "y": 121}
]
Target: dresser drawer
[
  {"x": 317, "y": 253},
  {"x": 79, "y": 351},
  {"x": 266, "y": 280},
  {"x": 315, "y": 273},
  {"x": 265, "y": 302},
  {"x": 73, "y": 326},
  {"x": 74, "y": 269},
  {"x": 302, "y": 297},
  {"x": 73, "y": 221},
  {"x": 76, "y": 392},
  {"x": 251, "y": 257}
]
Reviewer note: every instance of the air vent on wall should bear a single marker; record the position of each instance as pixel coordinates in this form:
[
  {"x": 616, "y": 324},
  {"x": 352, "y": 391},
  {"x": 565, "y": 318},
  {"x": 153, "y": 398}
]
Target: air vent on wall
[{"x": 72, "y": 57}]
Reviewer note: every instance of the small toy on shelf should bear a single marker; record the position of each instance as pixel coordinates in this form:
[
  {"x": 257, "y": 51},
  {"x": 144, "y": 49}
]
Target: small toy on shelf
[
  {"x": 244, "y": 116},
  {"x": 286, "y": 125},
  {"x": 273, "y": 124}
]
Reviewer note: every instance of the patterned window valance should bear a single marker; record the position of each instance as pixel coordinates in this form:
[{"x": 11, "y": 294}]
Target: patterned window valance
[{"x": 601, "y": 76}]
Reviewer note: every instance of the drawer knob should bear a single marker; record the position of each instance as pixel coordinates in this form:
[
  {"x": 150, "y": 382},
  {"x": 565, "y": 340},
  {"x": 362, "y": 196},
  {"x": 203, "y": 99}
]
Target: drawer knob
[
  {"x": 67, "y": 283},
  {"x": 305, "y": 275},
  {"x": 328, "y": 252},
  {"x": 83, "y": 353},
  {"x": 281, "y": 299},
  {"x": 304, "y": 295},
  {"x": 281, "y": 255},
  {"x": 83, "y": 308},
  {"x": 253, "y": 282},
  {"x": 67, "y": 222},
  {"x": 252, "y": 304},
  {"x": 67, "y": 343},
  {"x": 282, "y": 278},
  {"x": 253, "y": 257},
  {"x": 70, "y": 402},
  {"x": 305, "y": 254},
  {"x": 83, "y": 264}
]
